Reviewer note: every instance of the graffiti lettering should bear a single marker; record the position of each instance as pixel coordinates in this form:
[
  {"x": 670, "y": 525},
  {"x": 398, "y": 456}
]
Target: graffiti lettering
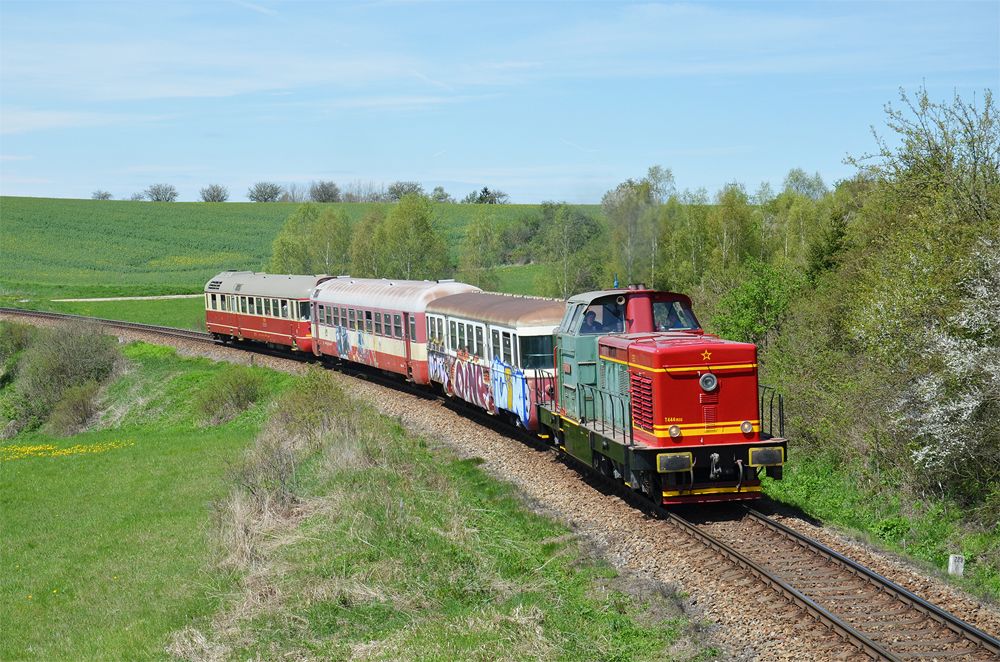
[
  {"x": 510, "y": 390},
  {"x": 470, "y": 382}
]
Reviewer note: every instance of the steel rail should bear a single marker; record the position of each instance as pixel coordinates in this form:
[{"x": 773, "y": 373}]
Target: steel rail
[
  {"x": 187, "y": 334},
  {"x": 771, "y": 579},
  {"x": 942, "y": 617}
]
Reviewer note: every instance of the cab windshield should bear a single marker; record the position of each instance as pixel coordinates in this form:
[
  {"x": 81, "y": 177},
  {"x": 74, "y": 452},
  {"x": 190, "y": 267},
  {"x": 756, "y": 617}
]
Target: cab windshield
[{"x": 674, "y": 316}]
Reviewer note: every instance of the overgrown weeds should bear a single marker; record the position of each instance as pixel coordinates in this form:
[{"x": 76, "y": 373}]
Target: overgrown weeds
[
  {"x": 51, "y": 362},
  {"x": 229, "y": 393}
]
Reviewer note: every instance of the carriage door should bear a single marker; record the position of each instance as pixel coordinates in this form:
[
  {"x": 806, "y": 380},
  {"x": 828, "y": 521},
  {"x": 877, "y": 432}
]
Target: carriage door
[{"x": 407, "y": 339}]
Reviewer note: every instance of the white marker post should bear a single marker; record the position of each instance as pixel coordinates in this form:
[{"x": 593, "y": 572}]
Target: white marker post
[{"x": 956, "y": 565}]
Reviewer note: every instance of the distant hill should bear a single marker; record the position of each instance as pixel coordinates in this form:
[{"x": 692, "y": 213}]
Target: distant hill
[{"x": 107, "y": 248}]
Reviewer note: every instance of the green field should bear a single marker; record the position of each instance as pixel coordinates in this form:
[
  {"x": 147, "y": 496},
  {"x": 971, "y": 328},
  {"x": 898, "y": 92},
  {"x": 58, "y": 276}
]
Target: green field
[
  {"x": 58, "y": 248},
  {"x": 106, "y": 538}
]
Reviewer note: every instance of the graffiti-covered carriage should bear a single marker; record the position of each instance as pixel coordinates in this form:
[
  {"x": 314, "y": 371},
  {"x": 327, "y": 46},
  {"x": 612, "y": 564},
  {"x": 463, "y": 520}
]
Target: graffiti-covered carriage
[
  {"x": 377, "y": 322},
  {"x": 493, "y": 350}
]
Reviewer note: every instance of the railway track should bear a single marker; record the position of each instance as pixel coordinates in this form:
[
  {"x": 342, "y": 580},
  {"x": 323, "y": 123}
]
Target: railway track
[
  {"x": 876, "y": 617},
  {"x": 879, "y": 617},
  {"x": 172, "y": 332}
]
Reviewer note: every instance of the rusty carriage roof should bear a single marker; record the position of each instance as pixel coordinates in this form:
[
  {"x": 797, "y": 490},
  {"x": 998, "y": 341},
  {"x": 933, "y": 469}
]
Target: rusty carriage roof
[
  {"x": 251, "y": 283},
  {"x": 411, "y": 296},
  {"x": 509, "y": 310}
]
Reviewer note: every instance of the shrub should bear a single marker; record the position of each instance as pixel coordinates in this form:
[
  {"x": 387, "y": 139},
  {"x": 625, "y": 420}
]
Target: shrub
[
  {"x": 57, "y": 360},
  {"x": 76, "y": 409},
  {"x": 14, "y": 338},
  {"x": 229, "y": 393}
]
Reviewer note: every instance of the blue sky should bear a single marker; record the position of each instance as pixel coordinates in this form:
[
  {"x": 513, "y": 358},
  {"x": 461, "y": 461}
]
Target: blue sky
[{"x": 549, "y": 101}]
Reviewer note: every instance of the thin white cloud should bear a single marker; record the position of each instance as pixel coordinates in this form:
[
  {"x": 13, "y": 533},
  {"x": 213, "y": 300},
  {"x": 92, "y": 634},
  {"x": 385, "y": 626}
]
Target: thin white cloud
[
  {"x": 260, "y": 9},
  {"x": 24, "y": 120}
]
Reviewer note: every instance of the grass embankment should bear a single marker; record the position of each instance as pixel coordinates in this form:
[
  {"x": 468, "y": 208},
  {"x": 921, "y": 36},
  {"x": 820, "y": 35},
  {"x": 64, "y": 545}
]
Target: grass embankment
[
  {"x": 875, "y": 506},
  {"x": 106, "y": 532},
  {"x": 355, "y": 538},
  {"x": 334, "y": 533}
]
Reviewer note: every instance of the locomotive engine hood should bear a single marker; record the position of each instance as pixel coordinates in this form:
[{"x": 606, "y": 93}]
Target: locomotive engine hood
[{"x": 678, "y": 352}]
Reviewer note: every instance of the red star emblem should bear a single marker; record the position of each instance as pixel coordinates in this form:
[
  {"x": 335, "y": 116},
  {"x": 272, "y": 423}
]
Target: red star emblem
[{"x": 706, "y": 355}]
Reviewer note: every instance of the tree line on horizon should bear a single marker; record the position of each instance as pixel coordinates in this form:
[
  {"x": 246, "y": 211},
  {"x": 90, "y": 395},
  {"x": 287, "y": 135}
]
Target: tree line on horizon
[{"x": 318, "y": 191}]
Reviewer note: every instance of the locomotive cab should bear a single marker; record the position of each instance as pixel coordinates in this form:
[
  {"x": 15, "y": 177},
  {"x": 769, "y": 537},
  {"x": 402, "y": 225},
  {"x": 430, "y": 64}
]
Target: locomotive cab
[{"x": 646, "y": 398}]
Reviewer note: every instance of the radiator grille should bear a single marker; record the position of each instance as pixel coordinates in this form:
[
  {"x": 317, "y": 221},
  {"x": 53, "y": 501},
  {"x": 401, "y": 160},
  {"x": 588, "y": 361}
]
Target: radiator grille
[{"x": 642, "y": 401}]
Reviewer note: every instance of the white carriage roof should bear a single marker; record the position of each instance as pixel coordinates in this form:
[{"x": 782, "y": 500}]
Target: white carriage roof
[
  {"x": 249, "y": 283},
  {"x": 510, "y": 310},
  {"x": 411, "y": 296}
]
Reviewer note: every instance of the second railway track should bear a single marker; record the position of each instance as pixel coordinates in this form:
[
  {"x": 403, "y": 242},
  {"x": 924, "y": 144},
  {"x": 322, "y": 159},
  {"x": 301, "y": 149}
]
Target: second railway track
[{"x": 879, "y": 619}]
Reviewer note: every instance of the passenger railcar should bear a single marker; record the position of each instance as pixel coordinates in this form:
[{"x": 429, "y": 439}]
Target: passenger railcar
[
  {"x": 378, "y": 322},
  {"x": 272, "y": 309},
  {"x": 491, "y": 350}
]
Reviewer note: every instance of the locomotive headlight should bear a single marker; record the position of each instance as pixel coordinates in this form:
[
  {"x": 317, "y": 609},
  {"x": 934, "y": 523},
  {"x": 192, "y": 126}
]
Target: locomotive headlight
[
  {"x": 674, "y": 431},
  {"x": 708, "y": 382},
  {"x": 746, "y": 427}
]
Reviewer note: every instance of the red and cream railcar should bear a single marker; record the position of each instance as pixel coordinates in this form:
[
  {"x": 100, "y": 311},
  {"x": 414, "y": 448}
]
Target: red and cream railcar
[
  {"x": 266, "y": 308},
  {"x": 378, "y": 322},
  {"x": 493, "y": 350}
]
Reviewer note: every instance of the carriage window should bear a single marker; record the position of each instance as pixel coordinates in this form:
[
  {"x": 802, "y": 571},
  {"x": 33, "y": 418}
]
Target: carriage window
[
  {"x": 508, "y": 352},
  {"x": 536, "y": 352},
  {"x": 495, "y": 337},
  {"x": 397, "y": 322},
  {"x": 378, "y": 323},
  {"x": 461, "y": 337},
  {"x": 431, "y": 328},
  {"x": 368, "y": 321},
  {"x": 304, "y": 311},
  {"x": 321, "y": 314},
  {"x": 336, "y": 316},
  {"x": 350, "y": 314},
  {"x": 479, "y": 341},
  {"x": 440, "y": 325},
  {"x": 413, "y": 328},
  {"x": 243, "y": 305},
  {"x": 284, "y": 309},
  {"x": 329, "y": 315},
  {"x": 453, "y": 336},
  {"x": 211, "y": 302}
]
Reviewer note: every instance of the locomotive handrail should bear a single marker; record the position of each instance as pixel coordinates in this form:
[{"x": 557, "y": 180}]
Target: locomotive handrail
[
  {"x": 608, "y": 400},
  {"x": 768, "y": 396}
]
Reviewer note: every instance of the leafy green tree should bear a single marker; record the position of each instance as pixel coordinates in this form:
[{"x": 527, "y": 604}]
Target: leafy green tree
[
  {"x": 732, "y": 228},
  {"x": 481, "y": 251},
  {"x": 575, "y": 250},
  {"x": 753, "y": 311},
  {"x": 312, "y": 241},
  {"x": 368, "y": 245},
  {"x": 413, "y": 248}
]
